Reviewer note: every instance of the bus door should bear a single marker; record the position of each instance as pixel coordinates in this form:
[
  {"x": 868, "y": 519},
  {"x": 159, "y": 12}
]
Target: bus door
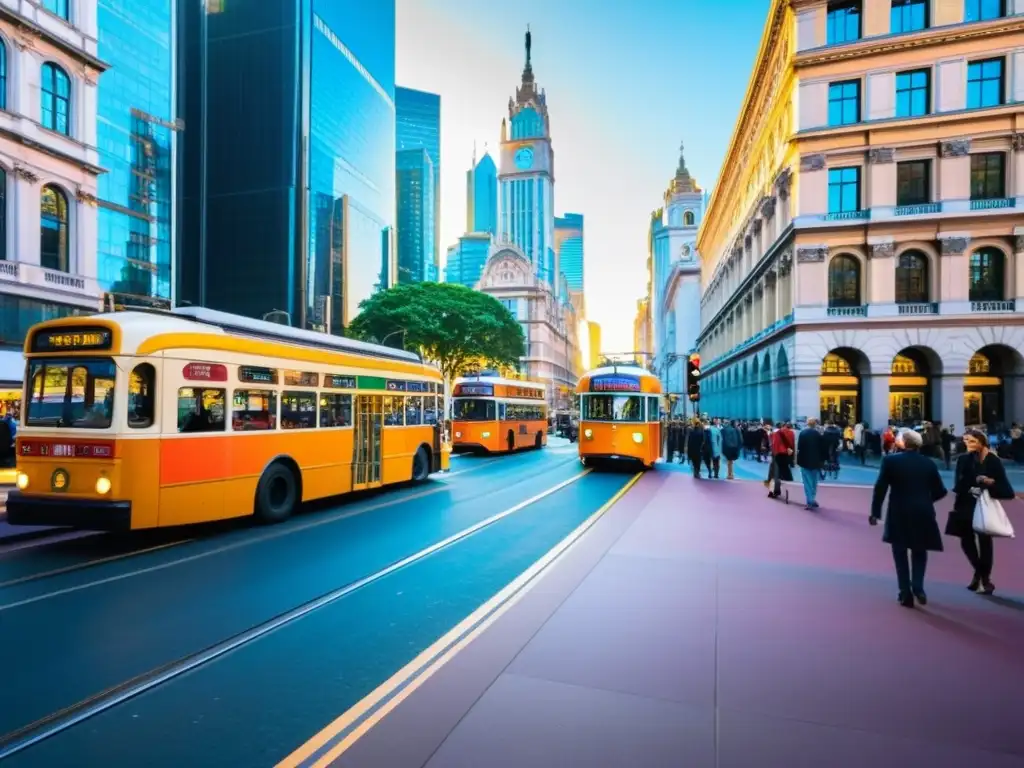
[{"x": 366, "y": 449}]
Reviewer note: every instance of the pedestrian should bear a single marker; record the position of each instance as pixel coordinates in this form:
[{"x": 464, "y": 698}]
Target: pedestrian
[
  {"x": 715, "y": 442},
  {"x": 977, "y": 470},
  {"x": 913, "y": 484},
  {"x": 695, "y": 446},
  {"x": 810, "y": 457},
  {"x": 783, "y": 445},
  {"x": 731, "y": 442}
]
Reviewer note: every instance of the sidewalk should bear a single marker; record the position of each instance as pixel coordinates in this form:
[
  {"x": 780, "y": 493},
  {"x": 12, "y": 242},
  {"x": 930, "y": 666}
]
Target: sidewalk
[{"x": 700, "y": 624}]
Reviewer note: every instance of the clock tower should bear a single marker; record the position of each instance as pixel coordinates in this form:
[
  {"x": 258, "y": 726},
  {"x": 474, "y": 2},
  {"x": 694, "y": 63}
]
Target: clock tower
[{"x": 526, "y": 180}]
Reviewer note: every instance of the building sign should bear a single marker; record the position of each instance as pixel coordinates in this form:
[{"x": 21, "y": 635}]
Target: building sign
[
  {"x": 340, "y": 382},
  {"x": 474, "y": 390},
  {"x": 614, "y": 384},
  {"x": 527, "y": 393},
  {"x": 72, "y": 340},
  {"x": 205, "y": 372}
]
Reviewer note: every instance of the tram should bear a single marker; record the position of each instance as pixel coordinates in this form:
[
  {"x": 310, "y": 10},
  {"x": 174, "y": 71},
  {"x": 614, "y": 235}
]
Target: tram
[{"x": 619, "y": 415}]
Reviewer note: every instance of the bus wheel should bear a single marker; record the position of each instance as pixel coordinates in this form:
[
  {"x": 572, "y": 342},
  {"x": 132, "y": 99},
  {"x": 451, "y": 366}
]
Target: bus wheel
[
  {"x": 511, "y": 440},
  {"x": 539, "y": 442},
  {"x": 421, "y": 465},
  {"x": 277, "y": 494}
]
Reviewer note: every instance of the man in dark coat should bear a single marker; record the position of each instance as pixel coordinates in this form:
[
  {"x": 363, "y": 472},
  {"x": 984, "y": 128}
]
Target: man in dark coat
[
  {"x": 913, "y": 484},
  {"x": 810, "y": 457},
  {"x": 732, "y": 441},
  {"x": 695, "y": 446}
]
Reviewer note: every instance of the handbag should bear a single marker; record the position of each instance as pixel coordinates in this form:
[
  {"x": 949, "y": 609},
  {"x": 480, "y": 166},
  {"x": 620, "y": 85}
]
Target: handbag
[{"x": 990, "y": 518}]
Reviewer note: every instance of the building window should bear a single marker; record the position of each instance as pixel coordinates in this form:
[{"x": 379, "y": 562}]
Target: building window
[
  {"x": 912, "y": 278},
  {"x": 844, "y": 103},
  {"x": 908, "y": 16},
  {"x": 988, "y": 176},
  {"x": 844, "y": 190},
  {"x": 56, "y": 99},
  {"x": 3, "y": 215},
  {"x": 53, "y": 229},
  {"x": 688, "y": 219},
  {"x": 985, "y": 83},
  {"x": 57, "y": 8},
  {"x": 983, "y": 10},
  {"x": 986, "y": 275},
  {"x": 913, "y": 93},
  {"x": 913, "y": 182},
  {"x": 843, "y": 22},
  {"x": 844, "y": 281},
  {"x": 3, "y": 76}
]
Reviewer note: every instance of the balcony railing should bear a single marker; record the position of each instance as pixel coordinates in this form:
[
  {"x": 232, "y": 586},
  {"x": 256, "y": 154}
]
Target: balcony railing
[
  {"x": 993, "y": 306},
  {"x": 993, "y": 203},
  {"x": 847, "y": 215},
  {"x": 861, "y": 311},
  {"x": 919, "y": 308},
  {"x": 62, "y": 280},
  {"x": 778, "y": 325},
  {"x": 917, "y": 210}
]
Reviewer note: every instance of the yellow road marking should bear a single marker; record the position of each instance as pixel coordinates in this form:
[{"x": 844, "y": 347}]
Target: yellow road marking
[{"x": 485, "y": 616}]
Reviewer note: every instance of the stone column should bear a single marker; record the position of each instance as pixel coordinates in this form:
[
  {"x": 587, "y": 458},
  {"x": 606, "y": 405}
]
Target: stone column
[
  {"x": 785, "y": 288},
  {"x": 759, "y": 304},
  {"x": 25, "y": 223},
  {"x": 771, "y": 231},
  {"x": 954, "y": 288},
  {"x": 949, "y": 389},
  {"x": 806, "y": 398},
  {"x": 1018, "y": 271},
  {"x": 875, "y": 391},
  {"x": 782, "y": 189}
]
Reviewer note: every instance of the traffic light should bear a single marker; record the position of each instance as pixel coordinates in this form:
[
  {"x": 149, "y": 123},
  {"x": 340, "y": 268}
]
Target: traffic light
[{"x": 693, "y": 377}]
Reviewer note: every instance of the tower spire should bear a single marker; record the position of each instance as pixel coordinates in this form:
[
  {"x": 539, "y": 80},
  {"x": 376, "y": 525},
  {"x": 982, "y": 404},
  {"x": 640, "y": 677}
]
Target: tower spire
[
  {"x": 682, "y": 160},
  {"x": 529, "y": 43}
]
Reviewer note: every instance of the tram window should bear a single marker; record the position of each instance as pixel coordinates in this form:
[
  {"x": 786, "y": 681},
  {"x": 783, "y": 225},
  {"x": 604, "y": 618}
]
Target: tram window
[
  {"x": 613, "y": 408},
  {"x": 470, "y": 409},
  {"x": 140, "y": 396},
  {"x": 413, "y": 411},
  {"x": 653, "y": 409},
  {"x": 336, "y": 411},
  {"x": 393, "y": 416},
  {"x": 298, "y": 410},
  {"x": 253, "y": 409},
  {"x": 200, "y": 410},
  {"x": 430, "y": 410}
]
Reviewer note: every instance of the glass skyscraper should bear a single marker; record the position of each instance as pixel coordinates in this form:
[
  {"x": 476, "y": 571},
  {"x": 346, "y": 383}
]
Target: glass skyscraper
[
  {"x": 466, "y": 260},
  {"x": 569, "y": 245},
  {"x": 418, "y": 126},
  {"x": 414, "y": 187},
  {"x": 136, "y": 135},
  {"x": 290, "y": 157},
  {"x": 482, "y": 197}
]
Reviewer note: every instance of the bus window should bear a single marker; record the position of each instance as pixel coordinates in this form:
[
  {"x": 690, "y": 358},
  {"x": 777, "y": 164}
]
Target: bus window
[
  {"x": 502, "y": 411},
  {"x": 430, "y": 410},
  {"x": 254, "y": 409},
  {"x": 471, "y": 409},
  {"x": 393, "y": 416},
  {"x": 200, "y": 410},
  {"x": 413, "y": 411},
  {"x": 298, "y": 410},
  {"x": 71, "y": 394},
  {"x": 613, "y": 408},
  {"x": 336, "y": 411},
  {"x": 140, "y": 396}
]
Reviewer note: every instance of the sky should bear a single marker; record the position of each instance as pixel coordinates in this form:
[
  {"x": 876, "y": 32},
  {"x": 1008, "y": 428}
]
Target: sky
[{"x": 626, "y": 82}]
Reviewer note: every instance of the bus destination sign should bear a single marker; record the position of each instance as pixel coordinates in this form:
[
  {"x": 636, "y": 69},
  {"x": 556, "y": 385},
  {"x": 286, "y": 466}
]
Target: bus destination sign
[
  {"x": 614, "y": 384},
  {"x": 205, "y": 372},
  {"x": 471, "y": 390},
  {"x": 72, "y": 340}
]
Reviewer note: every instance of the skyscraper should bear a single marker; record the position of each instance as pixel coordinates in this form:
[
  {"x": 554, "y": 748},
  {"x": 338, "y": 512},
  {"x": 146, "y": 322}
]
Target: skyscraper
[
  {"x": 482, "y": 196},
  {"x": 569, "y": 249},
  {"x": 526, "y": 177},
  {"x": 298, "y": 215},
  {"x": 467, "y": 259},
  {"x": 418, "y": 126},
  {"x": 414, "y": 190}
]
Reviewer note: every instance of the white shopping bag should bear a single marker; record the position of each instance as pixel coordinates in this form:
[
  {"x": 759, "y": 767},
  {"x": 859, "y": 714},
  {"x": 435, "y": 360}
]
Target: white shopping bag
[{"x": 990, "y": 517}]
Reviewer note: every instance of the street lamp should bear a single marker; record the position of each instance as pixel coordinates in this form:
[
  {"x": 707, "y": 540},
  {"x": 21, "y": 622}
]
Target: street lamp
[
  {"x": 400, "y": 330},
  {"x": 277, "y": 313}
]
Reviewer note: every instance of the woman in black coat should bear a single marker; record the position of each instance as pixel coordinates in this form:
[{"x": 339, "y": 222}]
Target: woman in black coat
[{"x": 976, "y": 470}]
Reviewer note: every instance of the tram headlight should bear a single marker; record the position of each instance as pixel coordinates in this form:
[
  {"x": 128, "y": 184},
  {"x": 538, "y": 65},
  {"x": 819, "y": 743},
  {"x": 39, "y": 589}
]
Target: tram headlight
[
  {"x": 486, "y": 435},
  {"x": 588, "y": 433},
  {"x": 458, "y": 434},
  {"x": 21, "y": 480},
  {"x": 638, "y": 437},
  {"x": 103, "y": 486}
]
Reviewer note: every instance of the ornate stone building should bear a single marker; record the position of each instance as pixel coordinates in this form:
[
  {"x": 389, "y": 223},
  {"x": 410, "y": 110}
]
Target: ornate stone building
[{"x": 863, "y": 250}]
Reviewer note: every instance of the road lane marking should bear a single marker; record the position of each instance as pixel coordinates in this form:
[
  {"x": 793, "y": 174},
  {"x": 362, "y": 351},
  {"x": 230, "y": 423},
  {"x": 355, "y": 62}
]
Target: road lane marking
[
  {"x": 33, "y": 733},
  {"x": 339, "y": 736}
]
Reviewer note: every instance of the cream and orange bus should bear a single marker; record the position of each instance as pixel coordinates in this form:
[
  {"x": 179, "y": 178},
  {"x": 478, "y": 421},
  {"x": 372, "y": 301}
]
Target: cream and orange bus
[
  {"x": 620, "y": 415},
  {"x": 146, "y": 419},
  {"x": 497, "y": 415}
]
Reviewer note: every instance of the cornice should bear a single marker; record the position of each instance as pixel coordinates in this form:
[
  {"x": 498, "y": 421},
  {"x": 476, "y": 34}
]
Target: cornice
[
  {"x": 874, "y": 46},
  {"x": 31, "y": 29}
]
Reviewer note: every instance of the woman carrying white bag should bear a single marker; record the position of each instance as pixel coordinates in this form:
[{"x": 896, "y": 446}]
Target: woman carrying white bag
[{"x": 980, "y": 483}]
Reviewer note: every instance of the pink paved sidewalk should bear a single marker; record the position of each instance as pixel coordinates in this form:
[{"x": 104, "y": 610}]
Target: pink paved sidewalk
[{"x": 701, "y": 624}]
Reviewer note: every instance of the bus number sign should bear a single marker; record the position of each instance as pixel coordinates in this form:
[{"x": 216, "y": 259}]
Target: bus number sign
[
  {"x": 205, "y": 372},
  {"x": 479, "y": 390},
  {"x": 614, "y": 384}
]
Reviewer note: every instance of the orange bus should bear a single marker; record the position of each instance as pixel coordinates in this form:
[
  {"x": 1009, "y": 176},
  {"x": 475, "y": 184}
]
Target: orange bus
[
  {"x": 620, "y": 415},
  {"x": 147, "y": 419},
  {"x": 498, "y": 415}
]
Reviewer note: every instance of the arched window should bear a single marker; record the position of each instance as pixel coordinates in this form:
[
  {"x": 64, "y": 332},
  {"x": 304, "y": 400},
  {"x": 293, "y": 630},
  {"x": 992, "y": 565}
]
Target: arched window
[
  {"x": 3, "y": 76},
  {"x": 527, "y": 124},
  {"x": 688, "y": 219},
  {"x": 844, "y": 282},
  {"x": 57, "y": 8},
  {"x": 986, "y": 275},
  {"x": 912, "y": 278},
  {"x": 56, "y": 99},
  {"x": 53, "y": 230},
  {"x": 3, "y": 214}
]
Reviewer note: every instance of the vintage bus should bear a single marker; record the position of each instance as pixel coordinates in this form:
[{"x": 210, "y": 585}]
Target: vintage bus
[
  {"x": 620, "y": 415},
  {"x": 144, "y": 419},
  {"x": 493, "y": 414}
]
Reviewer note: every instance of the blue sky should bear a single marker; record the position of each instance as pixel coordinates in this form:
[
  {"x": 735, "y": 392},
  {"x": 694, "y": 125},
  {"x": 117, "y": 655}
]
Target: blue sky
[{"x": 626, "y": 81}]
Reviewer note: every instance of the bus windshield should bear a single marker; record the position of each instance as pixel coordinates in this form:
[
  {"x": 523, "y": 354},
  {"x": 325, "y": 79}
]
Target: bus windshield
[
  {"x": 71, "y": 393},
  {"x": 473, "y": 409},
  {"x": 613, "y": 408}
]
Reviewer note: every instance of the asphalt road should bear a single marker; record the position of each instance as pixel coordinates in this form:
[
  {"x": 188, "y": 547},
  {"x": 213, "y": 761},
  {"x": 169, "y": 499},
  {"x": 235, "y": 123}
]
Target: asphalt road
[{"x": 247, "y": 640}]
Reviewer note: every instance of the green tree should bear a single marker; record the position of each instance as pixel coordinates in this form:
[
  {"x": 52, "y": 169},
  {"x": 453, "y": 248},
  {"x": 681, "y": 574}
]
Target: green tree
[{"x": 448, "y": 323}]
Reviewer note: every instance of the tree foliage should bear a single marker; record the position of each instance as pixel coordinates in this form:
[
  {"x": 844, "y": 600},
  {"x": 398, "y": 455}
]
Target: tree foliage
[{"x": 448, "y": 323}]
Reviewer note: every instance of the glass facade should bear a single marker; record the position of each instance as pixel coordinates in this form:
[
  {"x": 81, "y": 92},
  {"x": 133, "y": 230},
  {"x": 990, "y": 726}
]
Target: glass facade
[
  {"x": 414, "y": 186},
  {"x": 483, "y": 200},
  {"x": 569, "y": 235},
  {"x": 466, "y": 261},
  {"x": 418, "y": 126},
  {"x": 19, "y": 313},
  {"x": 136, "y": 135}
]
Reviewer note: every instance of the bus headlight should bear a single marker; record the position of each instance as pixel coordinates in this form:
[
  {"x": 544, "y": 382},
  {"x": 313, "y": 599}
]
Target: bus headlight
[
  {"x": 458, "y": 434},
  {"x": 638, "y": 437},
  {"x": 485, "y": 435},
  {"x": 588, "y": 433},
  {"x": 103, "y": 486},
  {"x": 21, "y": 480}
]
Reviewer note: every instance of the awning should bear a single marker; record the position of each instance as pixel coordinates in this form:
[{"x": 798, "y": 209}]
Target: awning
[{"x": 12, "y": 368}]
